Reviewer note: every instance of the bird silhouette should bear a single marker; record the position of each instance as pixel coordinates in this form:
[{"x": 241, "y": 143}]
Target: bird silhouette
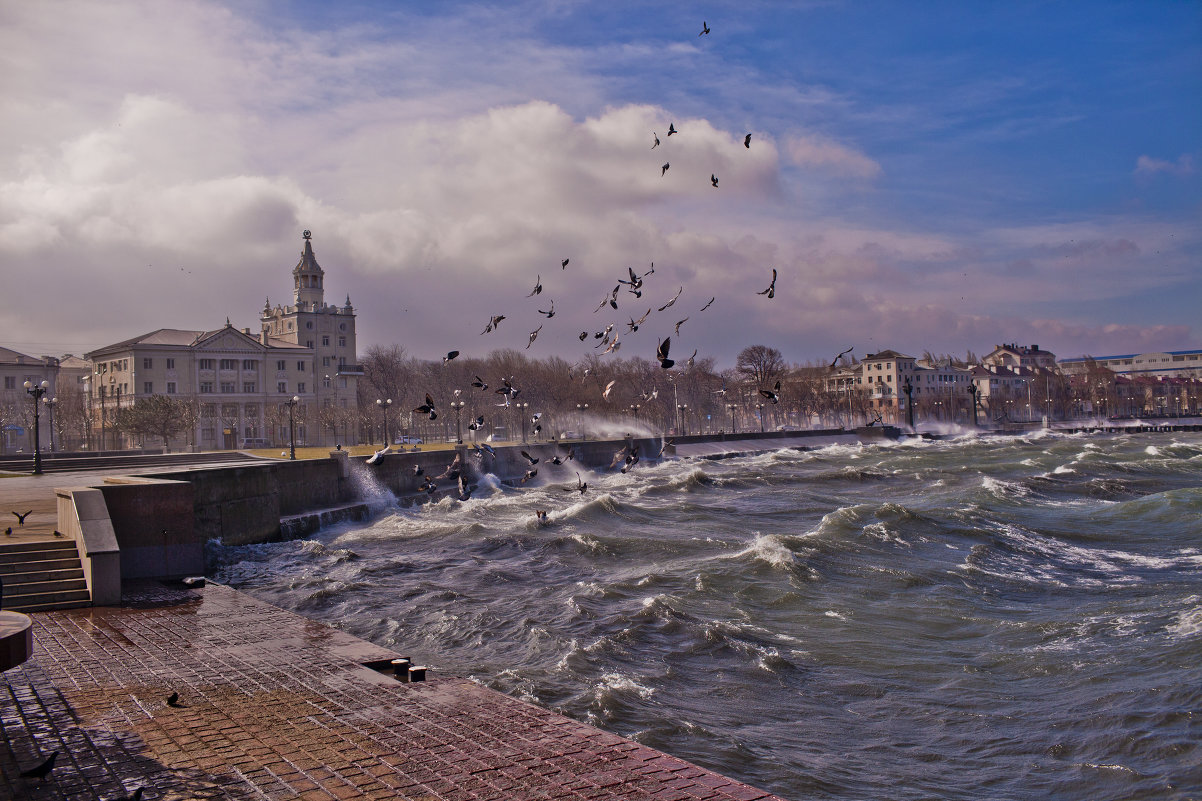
[
  {"x": 531, "y": 473},
  {"x": 673, "y": 300},
  {"x": 428, "y": 408},
  {"x": 706, "y": 306},
  {"x": 661, "y": 353},
  {"x": 41, "y": 770},
  {"x": 679, "y": 324},
  {"x": 671, "y": 128},
  {"x": 538, "y": 287},
  {"x": 21, "y": 517},
  {"x": 563, "y": 265},
  {"x": 771, "y": 290},
  {"x": 58, "y": 533},
  {"x": 654, "y": 134},
  {"x": 840, "y": 356},
  {"x": 492, "y": 324},
  {"x": 529, "y": 458},
  {"x": 690, "y": 360},
  {"x": 479, "y": 384},
  {"x": 8, "y": 532},
  {"x": 450, "y": 355},
  {"x": 173, "y": 700},
  {"x": 581, "y": 485},
  {"x": 747, "y": 141},
  {"x": 550, "y": 313},
  {"x": 583, "y": 335},
  {"x": 533, "y": 336},
  {"x": 704, "y": 28},
  {"x": 664, "y": 169},
  {"x": 714, "y": 180},
  {"x": 772, "y": 394}
]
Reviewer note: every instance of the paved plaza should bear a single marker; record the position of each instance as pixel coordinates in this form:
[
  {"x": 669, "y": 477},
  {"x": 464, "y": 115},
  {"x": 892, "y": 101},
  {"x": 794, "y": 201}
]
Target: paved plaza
[{"x": 274, "y": 706}]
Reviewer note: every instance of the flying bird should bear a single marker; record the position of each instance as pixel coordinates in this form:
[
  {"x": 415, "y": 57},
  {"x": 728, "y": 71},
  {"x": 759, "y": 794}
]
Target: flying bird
[
  {"x": 714, "y": 180},
  {"x": 464, "y": 491},
  {"x": 706, "y": 306},
  {"x": 671, "y": 128},
  {"x": 21, "y": 517},
  {"x": 548, "y": 314},
  {"x": 428, "y": 408},
  {"x": 689, "y": 361},
  {"x": 661, "y": 353},
  {"x": 772, "y": 394},
  {"x": 664, "y": 169},
  {"x": 533, "y": 336},
  {"x": 418, "y": 469},
  {"x": 41, "y": 770},
  {"x": 507, "y": 389},
  {"x": 608, "y": 388},
  {"x": 375, "y": 457},
  {"x": 538, "y": 287},
  {"x": 531, "y": 473},
  {"x": 654, "y": 134},
  {"x": 747, "y": 141},
  {"x": 476, "y": 424},
  {"x": 679, "y": 324},
  {"x": 529, "y": 458},
  {"x": 840, "y": 356},
  {"x": 479, "y": 384},
  {"x": 450, "y": 355},
  {"x": 673, "y": 300},
  {"x": 771, "y": 290},
  {"x": 484, "y": 446},
  {"x": 704, "y": 28},
  {"x": 581, "y": 485},
  {"x": 492, "y": 324},
  {"x": 563, "y": 265},
  {"x": 613, "y": 346},
  {"x": 583, "y": 335}
]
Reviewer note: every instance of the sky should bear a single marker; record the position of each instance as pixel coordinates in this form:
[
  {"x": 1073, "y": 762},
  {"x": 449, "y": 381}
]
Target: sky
[{"x": 923, "y": 176}]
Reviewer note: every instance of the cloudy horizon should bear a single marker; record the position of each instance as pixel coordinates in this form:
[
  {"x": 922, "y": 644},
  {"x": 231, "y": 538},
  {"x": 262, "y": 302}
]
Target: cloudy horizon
[{"x": 922, "y": 176}]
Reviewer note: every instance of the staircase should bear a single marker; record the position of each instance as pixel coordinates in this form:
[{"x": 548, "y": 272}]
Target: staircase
[{"x": 42, "y": 575}]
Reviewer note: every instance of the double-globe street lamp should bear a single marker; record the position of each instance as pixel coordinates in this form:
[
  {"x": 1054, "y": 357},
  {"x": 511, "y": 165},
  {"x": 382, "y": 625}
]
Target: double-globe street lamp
[
  {"x": 457, "y": 405},
  {"x": 291, "y": 404},
  {"x": 522, "y": 406},
  {"x": 37, "y": 392},
  {"x": 581, "y": 410},
  {"x": 384, "y": 404}
]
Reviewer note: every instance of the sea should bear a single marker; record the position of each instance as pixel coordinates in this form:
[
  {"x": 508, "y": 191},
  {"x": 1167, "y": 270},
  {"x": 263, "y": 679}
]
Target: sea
[{"x": 983, "y": 617}]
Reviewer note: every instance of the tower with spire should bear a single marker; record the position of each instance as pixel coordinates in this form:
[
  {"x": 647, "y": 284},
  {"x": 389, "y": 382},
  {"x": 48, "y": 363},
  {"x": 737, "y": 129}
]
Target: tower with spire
[{"x": 329, "y": 330}]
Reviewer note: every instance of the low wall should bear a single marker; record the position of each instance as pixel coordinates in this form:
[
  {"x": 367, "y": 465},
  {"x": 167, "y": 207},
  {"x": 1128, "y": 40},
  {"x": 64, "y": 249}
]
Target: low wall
[{"x": 153, "y": 522}]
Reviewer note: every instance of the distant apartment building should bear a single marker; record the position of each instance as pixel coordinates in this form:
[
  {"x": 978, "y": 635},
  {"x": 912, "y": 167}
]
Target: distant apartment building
[
  {"x": 878, "y": 384},
  {"x": 1167, "y": 364},
  {"x": 16, "y": 404},
  {"x": 237, "y": 384}
]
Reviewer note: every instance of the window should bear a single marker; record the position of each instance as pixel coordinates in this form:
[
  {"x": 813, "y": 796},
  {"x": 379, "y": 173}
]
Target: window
[
  {"x": 342, "y": 381},
  {"x": 300, "y": 366},
  {"x": 206, "y": 387},
  {"x": 309, "y": 344},
  {"x": 281, "y": 365},
  {"x": 342, "y": 326},
  {"x": 248, "y": 386},
  {"x": 250, "y": 364},
  {"x": 342, "y": 342},
  {"x": 170, "y": 387},
  {"x": 208, "y": 410},
  {"x": 147, "y": 364},
  {"x": 206, "y": 434},
  {"x": 10, "y": 382},
  {"x": 171, "y": 364},
  {"x": 227, "y": 386},
  {"x": 206, "y": 364},
  {"x": 229, "y": 364},
  {"x": 325, "y": 361},
  {"x": 300, "y": 387},
  {"x": 309, "y": 324},
  {"x": 325, "y": 340},
  {"x": 282, "y": 387},
  {"x": 147, "y": 387}
]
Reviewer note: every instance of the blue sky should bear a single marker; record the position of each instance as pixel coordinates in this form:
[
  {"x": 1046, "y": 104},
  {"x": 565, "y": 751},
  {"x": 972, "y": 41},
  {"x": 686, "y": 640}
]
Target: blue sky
[{"x": 924, "y": 176}]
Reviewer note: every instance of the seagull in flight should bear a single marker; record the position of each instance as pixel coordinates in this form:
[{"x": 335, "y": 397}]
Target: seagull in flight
[
  {"x": 479, "y": 384},
  {"x": 772, "y": 394},
  {"x": 714, "y": 180},
  {"x": 771, "y": 290},
  {"x": 747, "y": 141},
  {"x": 533, "y": 336},
  {"x": 563, "y": 265},
  {"x": 690, "y": 360},
  {"x": 679, "y": 324},
  {"x": 673, "y": 300},
  {"x": 664, "y": 169},
  {"x": 538, "y": 286},
  {"x": 450, "y": 355},
  {"x": 704, "y": 28},
  {"x": 608, "y": 388},
  {"x": 671, "y": 128},
  {"x": 706, "y": 306},
  {"x": 428, "y": 408},
  {"x": 581, "y": 485},
  {"x": 654, "y": 134},
  {"x": 661, "y": 353},
  {"x": 492, "y": 324},
  {"x": 840, "y": 356},
  {"x": 549, "y": 314}
]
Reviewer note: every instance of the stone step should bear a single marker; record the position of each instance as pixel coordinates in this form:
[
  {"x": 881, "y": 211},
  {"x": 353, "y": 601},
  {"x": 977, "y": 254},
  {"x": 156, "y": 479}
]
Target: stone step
[
  {"x": 30, "y": 576},
  {"x": 40, "y": 601},
  {"x": 32, "y": 565},
  {"x": 64, "y": 544}
]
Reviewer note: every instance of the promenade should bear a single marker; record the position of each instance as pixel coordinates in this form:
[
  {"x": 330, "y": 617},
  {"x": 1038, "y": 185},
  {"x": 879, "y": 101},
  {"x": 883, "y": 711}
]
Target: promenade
[{"x": 275, "y": 706}]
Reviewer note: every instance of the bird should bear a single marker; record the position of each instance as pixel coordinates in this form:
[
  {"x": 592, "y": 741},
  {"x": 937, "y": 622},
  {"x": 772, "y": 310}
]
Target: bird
[
  {"x": 465, "y": 491},
  {"x": 840, "y": 356},
  {"x": 665, "y": 445},
  {"x": 673, "y": 300},
  {"x": 608, "y": 388},
  {"x": 428, "y": 408},
  {"x": 479, "y": 384},
  {"x": 450, "y": 355},
  {"x": 549, "y": 314},
  {"x": 563, "y": 265},
  {"x": 656, "y": 136},
  {"x": 418, "y": 469},
  {"x": 173, "y": 700},
  {"x": 613, "y": 346},
  {"x": 664, "y": 169},
  {"x": 632, "y": 458},
  {"x": 690, "y": 360},
  {"x": 58, "y": 533},
  {"x": 476, "y": 424},
  {"x": 507, "y": 389},
  {"x": 8, "y": 532},
  {"x": 583, "y": 335},
  {"x": 375, "y": 457},
  {"x": 541, "y": 516},
  {"x": 538, "y": 287},
  {"x": 484, "y": 446},
  {"x": 533, "y": 336},
  {"x": 136, "y": 795},
  {"x": 492, "y": 324},
  {"x": 706, "y": 306},
  {"x": 772, "y": 394},
  {"x": 429, "y": 486},
  {"x": 529, "y": 458},
  {"x": 581, "y": 485},
  {"x": 531, "y": 473},
  {"x": 21, "y": 517},
  {"x": 452, "y": 471},
  {"x": 661, "y": 353},
  {"x": 714, "y": 180},
  {"x": 42, "y": 770},
  {"x": 771, "y": 290},
  {"x": 747, "y": 141},
  {"x": 671, "y": 128},
  {"x": 704, "y": 28},
  {"x": 679, "y": 324}
]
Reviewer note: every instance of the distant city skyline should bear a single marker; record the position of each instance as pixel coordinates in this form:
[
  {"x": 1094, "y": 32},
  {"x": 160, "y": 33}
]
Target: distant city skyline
[{"x": 932, "y": 176}]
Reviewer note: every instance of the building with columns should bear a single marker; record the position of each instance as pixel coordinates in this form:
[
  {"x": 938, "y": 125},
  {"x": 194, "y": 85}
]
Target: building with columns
[{"x": 236, "y": 384}]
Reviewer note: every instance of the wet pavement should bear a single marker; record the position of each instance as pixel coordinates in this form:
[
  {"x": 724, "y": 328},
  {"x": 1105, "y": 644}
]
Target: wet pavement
[{"x": 274, "y": 706}]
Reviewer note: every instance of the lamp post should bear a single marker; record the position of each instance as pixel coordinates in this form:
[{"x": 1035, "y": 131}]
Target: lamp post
[
  {"x": 50, "y": 404},
  {"x": 634, "y": 409},
  {"x": 908, "y": 388},
  {"x": 581, "y": 410},
  {"x": 291, "y": 404},
  {"x": 730, "y": 407},
  {"x": 384, "y": 404},
  {"x": 522, "y": 407},
  {"x": 759, "y": 409},
  {"x": 457, "y": 405},
  {"x": 972, "y": 391},
  {"x": 683, "y": 408},
  {"x": 37, "y": 391}
]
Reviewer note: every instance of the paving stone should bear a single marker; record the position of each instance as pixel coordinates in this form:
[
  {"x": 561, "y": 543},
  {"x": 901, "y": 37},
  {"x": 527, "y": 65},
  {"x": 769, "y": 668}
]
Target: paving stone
[{"x": 275, "y": 706}]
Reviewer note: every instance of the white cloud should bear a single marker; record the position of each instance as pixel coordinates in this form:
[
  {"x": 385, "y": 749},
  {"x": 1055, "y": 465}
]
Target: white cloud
[
  {"x": 1146, "y": 165},
  {"x": 815, "y": 151}
]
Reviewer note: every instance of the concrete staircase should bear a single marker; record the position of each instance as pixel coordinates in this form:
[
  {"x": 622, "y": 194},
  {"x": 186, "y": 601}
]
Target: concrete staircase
[{"x": 42, "y": 575}]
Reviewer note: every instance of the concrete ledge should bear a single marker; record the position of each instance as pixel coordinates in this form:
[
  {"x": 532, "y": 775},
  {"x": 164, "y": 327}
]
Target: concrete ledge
[
  {"x": 16, "y": 639},
  {"x": 83, "y": 516}
]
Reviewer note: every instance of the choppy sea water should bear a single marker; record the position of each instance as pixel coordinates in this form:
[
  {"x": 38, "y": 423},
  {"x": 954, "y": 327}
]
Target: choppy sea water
[{"x": 1003, "y": 618}]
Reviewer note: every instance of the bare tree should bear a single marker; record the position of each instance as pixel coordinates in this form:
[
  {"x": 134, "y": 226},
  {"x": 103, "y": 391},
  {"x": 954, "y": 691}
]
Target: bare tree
[{"x": 760, "y": 364}]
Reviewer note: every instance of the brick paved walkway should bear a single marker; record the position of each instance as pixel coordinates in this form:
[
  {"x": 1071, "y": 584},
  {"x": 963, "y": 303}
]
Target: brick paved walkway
[{"x": 277, "y": 706}]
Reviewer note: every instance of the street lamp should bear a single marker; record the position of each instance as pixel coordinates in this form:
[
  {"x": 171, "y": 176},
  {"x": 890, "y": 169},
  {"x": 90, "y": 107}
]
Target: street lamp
[
  {"x": 458, "y": 407},
  {"x": 908, "y": 388},
  {"x": 50, "y": 404},
  {"x": 291, "y": 404},
  {"x": 972, "y": 390},
  {"x": 730, "y": 407},
  {"x": 760, "y": 411},
  {"x": 36, "y": 391},
  {"x": 634, "y": 409},
  {"x": 683, "y": 408},
  {"x": 581, "y": 410},
  {"x": 384, "y": 404},
  {"x": 522, "y": 407}
]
